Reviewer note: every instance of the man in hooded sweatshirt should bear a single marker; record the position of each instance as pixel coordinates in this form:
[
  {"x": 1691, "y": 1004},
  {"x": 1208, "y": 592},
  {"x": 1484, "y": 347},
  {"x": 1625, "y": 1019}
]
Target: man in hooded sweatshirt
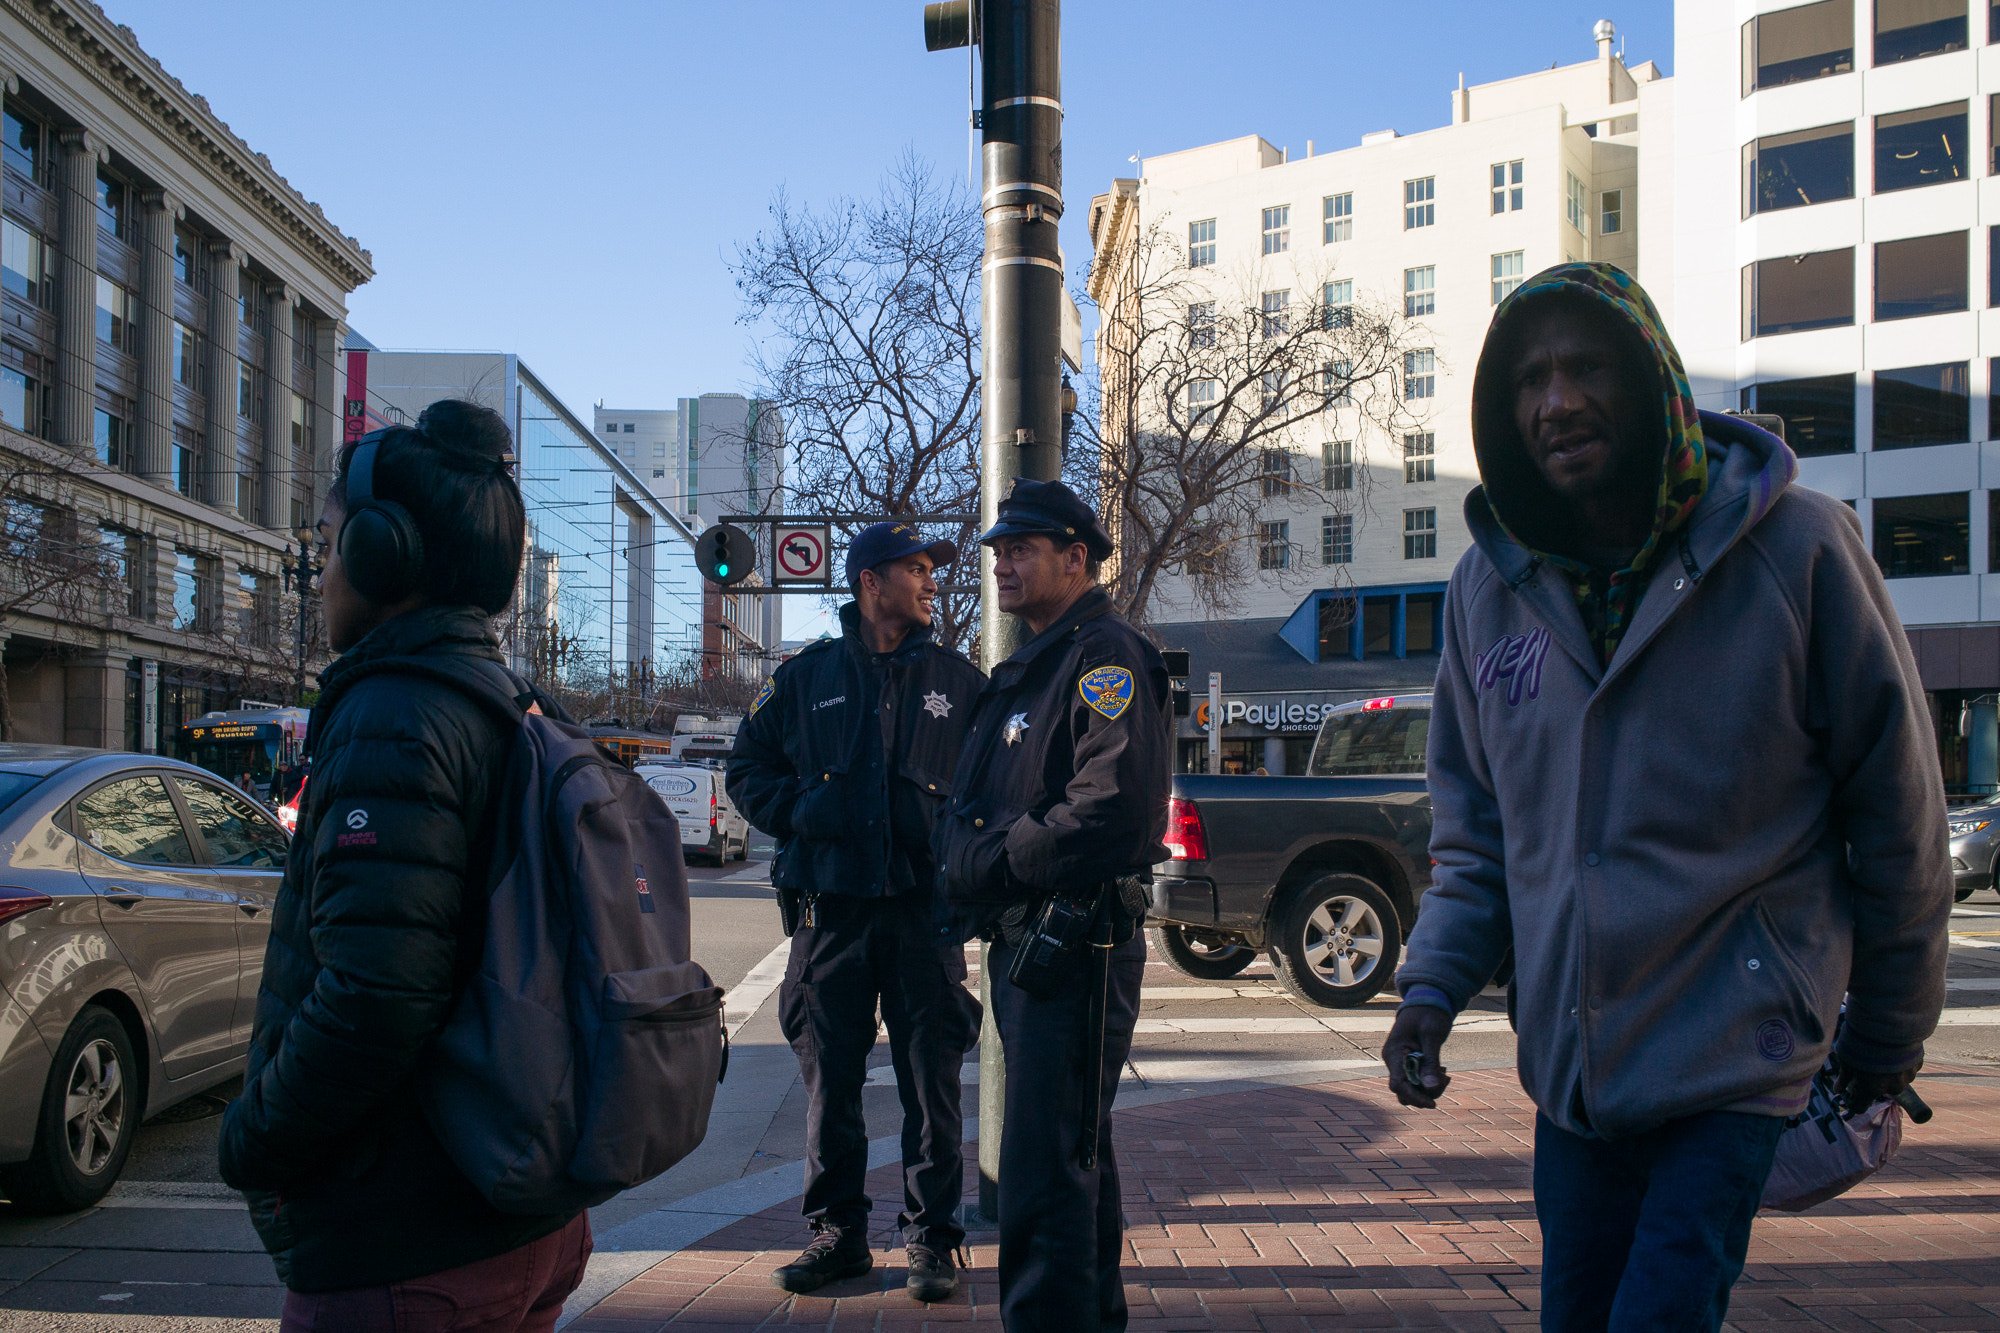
[{"x": 1680, "y": 762}]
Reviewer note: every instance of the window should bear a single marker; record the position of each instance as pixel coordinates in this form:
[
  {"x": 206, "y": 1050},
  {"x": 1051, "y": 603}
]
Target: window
[
  {"x": 1339, "y": 387},
  {"x": 23, "y": 145},
  {"x": 1337, "y": 211},
  {"x": 1274, "y": 545},
  {"x": 1419, "y": 206},
  {"x": 1920, "y": 536},
  {"x": 610, "y": 428},
  {"x": 1993, "y": 113},
  {"x": 1420, "y": 374},
  {"x": 1372, "y": 741},
  {"x": 246, "y": 390},
  {"x": 1793, "y": 45},
  {"x": 1921, "y": 405},
  {"x": 1275, "y": 468},
  {"x": 1419, "y": 457},
  {"x": 187, "y": 591},
  {"x": 1818, "y": 412},
  {"x": 302, "y": 432},
  {"x": 1923, "y": 275},
  {"x": 1922, "y": 147},
  {"x": 1201, "y": 324},
  {"x": 628, "y": 428},
  {"x": 249, "y": 300},
  {"x": 185, "y": 451},
  {"x": 187, "y": 257},
  {"x": 236, "y": 835},
  {"x": 1993, "y": 425},
  {"x": 1913, "y": 29},
  {"x": 1201, "y": 243},
  {"x": 1421, "y": 614},
  {"x": 1278, "y": 229},
  {"x": 1337, "y": 465},
  {"x": 1506, "y": 187},
  {"x": 1338, "y": 304},
  {"x": 1336, "y": 539},
  {"x": 1574, "y": 206},
  {"x": 1798, "y": 292},
  {"x": 1276, "y": 322},
  {"x": 1794, "y": 170},
  {"x": 116, "y": 307},
  {"x": 115, "y": 563},
  {"x": 1508, "y": 274},
  {"x": 1202, "y": 407},
  {"x": 1271, "y": 391},
  {"x": 187, "y": 368},
  {"x": 134, "y": 820},
  {"x": 1611, "y": 212},
  {"x": 114, "y": 208},
  {"x": 255, "y": 615},
  {"x": 1420, "y": 534},
  {"x": 23, "y": 401},
  {"x": 24, "y": 264},
  {"x": 108, "y": 434},
  {"x": 1420, "y": 291}
]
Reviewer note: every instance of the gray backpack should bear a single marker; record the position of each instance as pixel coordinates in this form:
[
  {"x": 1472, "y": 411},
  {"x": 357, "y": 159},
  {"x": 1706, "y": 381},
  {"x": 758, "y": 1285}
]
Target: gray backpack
[{"x": 583, "y": 1056}]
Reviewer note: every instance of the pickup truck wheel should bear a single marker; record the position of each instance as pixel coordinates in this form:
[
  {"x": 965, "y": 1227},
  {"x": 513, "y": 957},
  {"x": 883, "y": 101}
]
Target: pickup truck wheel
[
  {"x": 1339, "y": 942},
  {"x": 1201, "y": 954}
]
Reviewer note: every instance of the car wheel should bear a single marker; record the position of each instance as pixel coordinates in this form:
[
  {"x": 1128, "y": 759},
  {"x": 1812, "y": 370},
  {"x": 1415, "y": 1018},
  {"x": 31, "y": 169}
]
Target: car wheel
[
  {"x": 1963, "y": 894},
  {"x": 1202, "y": 954},
  {"x": 743, "y": 847},
  {"x": 90, "y": 1109},
  {"x": 1338, "y": 943}
]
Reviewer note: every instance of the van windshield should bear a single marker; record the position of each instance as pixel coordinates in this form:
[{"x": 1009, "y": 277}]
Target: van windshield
[{"x": 1372, "y": 741}]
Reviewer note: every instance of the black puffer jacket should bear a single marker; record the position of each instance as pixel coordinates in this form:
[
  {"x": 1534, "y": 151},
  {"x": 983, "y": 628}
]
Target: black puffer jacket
[{"x": 378, "y": 926}]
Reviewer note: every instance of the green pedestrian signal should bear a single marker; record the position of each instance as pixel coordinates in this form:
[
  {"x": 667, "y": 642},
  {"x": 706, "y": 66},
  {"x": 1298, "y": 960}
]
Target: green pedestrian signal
[{"x": 725, "y": 555}]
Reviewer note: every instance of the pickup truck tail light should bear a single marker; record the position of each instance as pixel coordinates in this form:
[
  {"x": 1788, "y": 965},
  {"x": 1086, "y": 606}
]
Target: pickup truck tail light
[
  {"x": 1187, "y": 840},
  {"x": 13, "y": 902}
]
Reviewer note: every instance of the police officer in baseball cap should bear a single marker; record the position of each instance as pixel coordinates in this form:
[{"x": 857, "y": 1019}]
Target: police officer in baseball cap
[
  {"x": 1058, "y": 811},
  {"x": 845, "y": 759}
]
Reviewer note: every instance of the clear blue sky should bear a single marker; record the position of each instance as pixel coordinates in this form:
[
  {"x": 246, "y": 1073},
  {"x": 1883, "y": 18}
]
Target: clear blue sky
[{"x": 568, "y": 181}]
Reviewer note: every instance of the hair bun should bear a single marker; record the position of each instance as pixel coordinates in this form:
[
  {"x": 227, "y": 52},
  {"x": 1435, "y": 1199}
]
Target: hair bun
[{"x": 476, "y": 433}]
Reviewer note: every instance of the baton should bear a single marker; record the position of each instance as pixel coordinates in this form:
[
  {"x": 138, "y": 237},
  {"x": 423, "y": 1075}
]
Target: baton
[{"x": 1093, "y": 1043}]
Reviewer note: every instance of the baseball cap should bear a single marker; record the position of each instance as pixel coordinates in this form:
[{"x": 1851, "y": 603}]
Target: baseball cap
[{"x": 892, "y": 541}]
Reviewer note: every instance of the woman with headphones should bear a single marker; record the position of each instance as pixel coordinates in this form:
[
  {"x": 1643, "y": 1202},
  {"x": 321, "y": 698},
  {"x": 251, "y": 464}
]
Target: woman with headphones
[{"x": 381, "y": 917}]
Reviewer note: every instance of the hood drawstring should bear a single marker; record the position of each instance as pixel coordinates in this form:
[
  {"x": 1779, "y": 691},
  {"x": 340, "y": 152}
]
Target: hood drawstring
[
  {"x": 1694, "y": 571},
  {"x": 1526, "y": 576}
]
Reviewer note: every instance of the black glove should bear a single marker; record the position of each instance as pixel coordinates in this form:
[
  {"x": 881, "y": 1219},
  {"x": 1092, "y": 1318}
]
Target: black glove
[
  {"x": 1420, "y": 1030},
  {"x": 1859, "y": 1089}
]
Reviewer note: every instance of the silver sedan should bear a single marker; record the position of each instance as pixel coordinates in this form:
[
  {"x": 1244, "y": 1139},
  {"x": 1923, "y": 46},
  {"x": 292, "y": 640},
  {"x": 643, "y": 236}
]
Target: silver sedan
[
  {"x": 1975, "y": 837},
  {"x": 135, "y": 902}
]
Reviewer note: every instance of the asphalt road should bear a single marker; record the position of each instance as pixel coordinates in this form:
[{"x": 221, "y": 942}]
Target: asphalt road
[{"x": 172, "y": 1248}]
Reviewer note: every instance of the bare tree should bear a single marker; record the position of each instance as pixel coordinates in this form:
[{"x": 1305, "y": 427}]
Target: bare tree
[
  {"x": 876, "y": 360},
  {"x": 1204, "y": 392}
]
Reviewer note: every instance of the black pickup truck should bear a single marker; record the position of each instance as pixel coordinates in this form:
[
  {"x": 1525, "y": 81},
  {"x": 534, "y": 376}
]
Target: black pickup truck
[{"x": 1323, "y": 872}]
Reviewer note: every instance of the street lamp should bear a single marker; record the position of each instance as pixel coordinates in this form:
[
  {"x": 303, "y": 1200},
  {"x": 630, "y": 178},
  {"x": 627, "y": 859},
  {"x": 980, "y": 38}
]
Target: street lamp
[{"x": 299, "y": 577}]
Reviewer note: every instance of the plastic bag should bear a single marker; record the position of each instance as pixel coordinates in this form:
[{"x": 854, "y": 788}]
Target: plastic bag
[{"x": 1823, "y": 1154}]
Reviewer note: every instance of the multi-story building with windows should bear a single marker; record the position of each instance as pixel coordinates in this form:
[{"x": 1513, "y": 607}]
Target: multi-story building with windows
[
  {"x": 169, "y": 310},
  {"x": 1345, "y": 589},
  {"x": 1835, "y": 260}
]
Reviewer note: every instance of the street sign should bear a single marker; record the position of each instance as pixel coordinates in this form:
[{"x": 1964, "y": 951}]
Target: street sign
[{"x": 802, "y": 555}]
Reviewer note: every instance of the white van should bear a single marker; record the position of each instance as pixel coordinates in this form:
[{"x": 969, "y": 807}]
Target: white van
[{"x": 711, "y": 827}]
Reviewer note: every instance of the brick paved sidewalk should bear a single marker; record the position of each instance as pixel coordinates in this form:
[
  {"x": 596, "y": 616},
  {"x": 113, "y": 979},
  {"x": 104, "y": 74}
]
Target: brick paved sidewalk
[{"x": 1330, "y": 1207}]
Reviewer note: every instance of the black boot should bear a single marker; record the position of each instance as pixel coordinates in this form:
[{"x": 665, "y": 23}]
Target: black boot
[
  {"x": 932, "y": 1278},
  {"x": 836, "y": 1253}
]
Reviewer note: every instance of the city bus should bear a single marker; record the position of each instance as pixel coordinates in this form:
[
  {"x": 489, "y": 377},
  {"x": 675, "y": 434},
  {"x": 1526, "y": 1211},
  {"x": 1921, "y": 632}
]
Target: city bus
[{"x": 232, "y": 742}]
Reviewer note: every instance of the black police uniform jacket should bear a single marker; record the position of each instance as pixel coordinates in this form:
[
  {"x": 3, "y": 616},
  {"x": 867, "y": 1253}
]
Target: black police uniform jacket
[
  {"x": 374, "y": 935},
  {"x": 803, "y": 767},
  {"x": 1064, "y": 782}
]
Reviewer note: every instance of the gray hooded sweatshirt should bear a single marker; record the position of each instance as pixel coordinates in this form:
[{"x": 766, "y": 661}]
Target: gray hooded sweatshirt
[{"x": 1699, "y": 846}]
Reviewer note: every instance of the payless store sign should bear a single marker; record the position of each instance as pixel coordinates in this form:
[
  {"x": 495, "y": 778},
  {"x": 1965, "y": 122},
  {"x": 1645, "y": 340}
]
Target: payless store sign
[{"x": 1273, "y": 715}]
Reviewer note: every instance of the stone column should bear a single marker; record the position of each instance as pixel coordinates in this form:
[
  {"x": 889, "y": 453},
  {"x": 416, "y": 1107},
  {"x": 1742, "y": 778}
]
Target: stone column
[
  {"x": 276, "y": 508},
  {"x": 329, "y": 389},
  {"x": 157, "y": 214},
  {"x": 225, "y": 260},
  {"x": 94, "y": 700},
  {"x": 76, "y": 291}
]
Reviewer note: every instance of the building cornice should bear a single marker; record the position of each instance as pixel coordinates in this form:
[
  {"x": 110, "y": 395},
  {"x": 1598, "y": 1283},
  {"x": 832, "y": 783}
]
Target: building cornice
[
  {"x": 1110, "y": 217},
  {"x": 111, "y": 55}
]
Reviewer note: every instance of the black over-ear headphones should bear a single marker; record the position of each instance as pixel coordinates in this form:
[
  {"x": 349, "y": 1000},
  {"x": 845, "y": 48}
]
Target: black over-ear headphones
[{"x": 380, "y": 548}]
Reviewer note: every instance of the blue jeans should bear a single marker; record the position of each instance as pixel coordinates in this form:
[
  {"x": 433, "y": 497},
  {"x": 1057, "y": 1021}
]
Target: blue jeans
[{"x": 1648, "y": 1232}]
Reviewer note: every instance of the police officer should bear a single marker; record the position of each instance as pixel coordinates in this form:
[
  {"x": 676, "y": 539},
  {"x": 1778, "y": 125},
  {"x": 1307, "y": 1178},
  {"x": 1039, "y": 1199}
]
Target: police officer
[
  {"x": 1061, "y": 792},
  {"x": 845, "y": 759}
]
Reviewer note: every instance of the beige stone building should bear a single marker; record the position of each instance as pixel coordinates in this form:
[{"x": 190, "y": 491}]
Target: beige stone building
[{"x": 170, "y": 309}]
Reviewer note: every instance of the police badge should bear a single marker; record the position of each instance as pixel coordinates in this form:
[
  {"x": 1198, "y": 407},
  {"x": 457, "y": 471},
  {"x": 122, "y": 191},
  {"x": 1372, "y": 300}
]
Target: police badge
[{"x": 1108, "y": 689}]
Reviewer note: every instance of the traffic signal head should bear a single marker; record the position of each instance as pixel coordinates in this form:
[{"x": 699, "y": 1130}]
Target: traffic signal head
[{"x": 725, "y": 555}]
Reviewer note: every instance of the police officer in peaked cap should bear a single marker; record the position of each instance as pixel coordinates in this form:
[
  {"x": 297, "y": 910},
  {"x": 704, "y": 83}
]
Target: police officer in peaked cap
[
  {"x": 845, "y": 759},
  {"x": 1057, "y": 813}
]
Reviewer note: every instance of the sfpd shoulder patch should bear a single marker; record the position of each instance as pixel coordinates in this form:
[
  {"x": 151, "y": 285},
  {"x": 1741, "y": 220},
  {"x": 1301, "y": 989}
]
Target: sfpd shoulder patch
[
  {"x": 1108, "y": 689},
  {"x": 763, "y": 697}
]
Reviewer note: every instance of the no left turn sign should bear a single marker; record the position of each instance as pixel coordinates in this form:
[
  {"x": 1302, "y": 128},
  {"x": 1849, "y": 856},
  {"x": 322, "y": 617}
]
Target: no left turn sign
[{"x": 802, "y": 555}]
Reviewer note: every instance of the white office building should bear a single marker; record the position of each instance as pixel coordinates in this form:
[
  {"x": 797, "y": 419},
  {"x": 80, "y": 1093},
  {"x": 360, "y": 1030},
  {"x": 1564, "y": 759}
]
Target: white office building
[
  {"x": 1829, "y": 168},
  {"x": 1529, "y": 172}
]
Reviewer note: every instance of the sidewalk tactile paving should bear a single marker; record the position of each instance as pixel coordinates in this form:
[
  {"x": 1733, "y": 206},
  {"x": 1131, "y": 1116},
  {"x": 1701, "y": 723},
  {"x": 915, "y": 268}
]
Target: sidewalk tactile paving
[{"x": 1329, "y": 1206}]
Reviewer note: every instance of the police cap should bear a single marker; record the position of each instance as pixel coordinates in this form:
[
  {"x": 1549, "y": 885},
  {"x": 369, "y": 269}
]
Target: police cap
[
  {"x": 1050, "y": 507},
  {"x": 881, "y": 542}
]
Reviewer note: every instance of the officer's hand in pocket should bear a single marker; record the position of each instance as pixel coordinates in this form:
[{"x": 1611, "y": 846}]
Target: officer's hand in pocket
[{"x": 1416, "y": 1075}]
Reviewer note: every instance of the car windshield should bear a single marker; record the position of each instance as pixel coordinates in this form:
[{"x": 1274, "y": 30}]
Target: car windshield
[
  {"x": 1372, "y": 741},
  {"x": 12, "y": 785}
]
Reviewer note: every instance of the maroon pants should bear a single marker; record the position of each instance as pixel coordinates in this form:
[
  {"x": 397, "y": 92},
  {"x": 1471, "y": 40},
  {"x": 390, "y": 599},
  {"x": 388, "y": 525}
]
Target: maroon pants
[{"x": 521, "y": 1291}]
